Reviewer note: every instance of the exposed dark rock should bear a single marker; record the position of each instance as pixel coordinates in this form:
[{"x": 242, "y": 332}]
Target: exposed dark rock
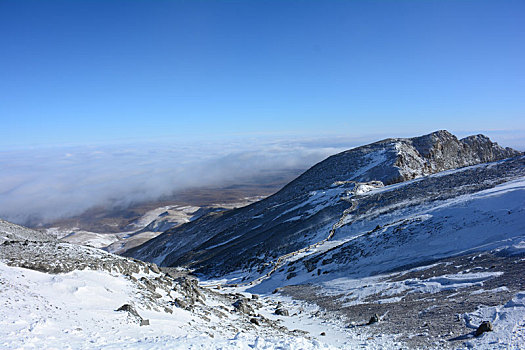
[
  {"x": 485, "y": 326},
  {"x": 282, "y": 312},
  {"x": 128, "y": 308},
  {"x": 373, "y": 319}
]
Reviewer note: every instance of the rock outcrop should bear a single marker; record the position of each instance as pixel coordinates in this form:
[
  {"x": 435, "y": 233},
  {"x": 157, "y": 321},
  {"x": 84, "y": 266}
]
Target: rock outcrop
[{"x": 400, "y": 159}]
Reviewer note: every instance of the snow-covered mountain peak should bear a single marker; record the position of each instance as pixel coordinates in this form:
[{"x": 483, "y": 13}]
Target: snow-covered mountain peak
[
  {"x": 293, "y": 218},
  {"x": 399, "y": 159}
]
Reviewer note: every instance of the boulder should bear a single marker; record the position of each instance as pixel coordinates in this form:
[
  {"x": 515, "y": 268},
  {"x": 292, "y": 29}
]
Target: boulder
[
  {"x": 133, "y": 314},
  {"x": 485, "y": 326},
  {"x": 154, "y": 268},
  {"x": 374, "y": 319},
  {"x": 282, "y": 312},
  {"x": 181, "y": 304},
  {"x": 242, "y": 306}
]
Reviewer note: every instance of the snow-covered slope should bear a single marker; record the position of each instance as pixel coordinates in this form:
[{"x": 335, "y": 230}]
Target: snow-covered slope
[
  {"x": 77, "y": 310},
  {"x": 146, "y": 227},
  {"x": 306, "y": 210},
  {"x": 410, "y": 231},
  {"x": 60, "y": 295},
  {"x": 379, "y": 247},
  {"x": 10, "y": 231},
  {"x": 428, "y": 233}
]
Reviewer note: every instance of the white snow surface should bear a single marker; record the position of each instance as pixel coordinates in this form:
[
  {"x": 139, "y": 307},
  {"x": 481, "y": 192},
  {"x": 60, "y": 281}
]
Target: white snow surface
[
  {"x": 508, "y": 321},
  {"x": 76, "y": 310},
  {"x": 492, "y": 219},
  {"x": 355, "y": 291}
]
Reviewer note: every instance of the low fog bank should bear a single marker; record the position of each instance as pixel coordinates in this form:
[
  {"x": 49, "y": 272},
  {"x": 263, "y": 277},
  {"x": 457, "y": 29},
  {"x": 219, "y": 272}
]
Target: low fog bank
[
  {"x": 39, "y": 186},
  {"x": 42, "y": 185}
]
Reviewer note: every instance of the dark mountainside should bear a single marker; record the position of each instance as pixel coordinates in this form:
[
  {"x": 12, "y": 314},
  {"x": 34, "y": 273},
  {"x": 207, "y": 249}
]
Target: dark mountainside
[{"x": 306, "y": 209}]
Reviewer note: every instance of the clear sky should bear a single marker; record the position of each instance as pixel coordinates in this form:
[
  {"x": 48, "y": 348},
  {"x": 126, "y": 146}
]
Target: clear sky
[{"x": 96, "y": 71}]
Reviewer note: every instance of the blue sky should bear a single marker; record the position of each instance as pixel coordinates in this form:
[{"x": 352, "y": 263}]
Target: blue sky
[{"x": 84, "y": 72}]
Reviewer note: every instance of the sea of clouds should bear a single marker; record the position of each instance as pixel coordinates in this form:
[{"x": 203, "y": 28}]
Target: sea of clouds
[{"x": 40, "y": 185}]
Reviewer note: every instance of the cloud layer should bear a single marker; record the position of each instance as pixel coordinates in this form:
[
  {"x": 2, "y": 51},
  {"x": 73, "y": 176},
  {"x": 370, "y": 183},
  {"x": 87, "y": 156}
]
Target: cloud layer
[{"x": 41, "y": 185}]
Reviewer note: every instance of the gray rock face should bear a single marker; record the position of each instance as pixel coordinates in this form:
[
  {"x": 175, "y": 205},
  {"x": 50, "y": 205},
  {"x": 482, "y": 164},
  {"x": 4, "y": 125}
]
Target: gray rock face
[
  {"x": 398, "y": 159},
  {"x": 247, "y": 238}
]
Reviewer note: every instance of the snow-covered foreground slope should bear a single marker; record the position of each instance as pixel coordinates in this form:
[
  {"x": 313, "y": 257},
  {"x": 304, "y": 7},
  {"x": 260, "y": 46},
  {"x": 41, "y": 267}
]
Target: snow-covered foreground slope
[
  {"x": 56, "y": 295},
  {"x": 77, "y": 310}
]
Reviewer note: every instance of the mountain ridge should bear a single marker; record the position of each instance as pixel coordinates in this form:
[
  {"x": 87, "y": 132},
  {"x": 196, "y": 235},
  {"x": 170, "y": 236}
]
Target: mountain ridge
[{"x": 299, "y": 215}]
